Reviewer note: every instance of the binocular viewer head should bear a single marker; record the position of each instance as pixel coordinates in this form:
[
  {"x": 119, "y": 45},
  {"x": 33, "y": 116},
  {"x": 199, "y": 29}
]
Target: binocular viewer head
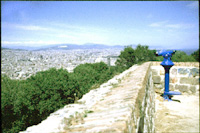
[{"x": 165, "y": 53}]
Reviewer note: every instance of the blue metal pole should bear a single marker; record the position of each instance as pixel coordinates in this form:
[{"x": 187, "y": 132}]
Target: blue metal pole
[{"x": 167, "y": 79}]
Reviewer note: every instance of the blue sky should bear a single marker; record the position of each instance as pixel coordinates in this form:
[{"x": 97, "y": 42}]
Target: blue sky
[{"x": 167, "y": 24}]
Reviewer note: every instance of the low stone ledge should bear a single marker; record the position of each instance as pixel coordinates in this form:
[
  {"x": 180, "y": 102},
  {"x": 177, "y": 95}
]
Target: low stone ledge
[
  {"x": 127, "y": 106},
  {"x": 187, "y": 64}
]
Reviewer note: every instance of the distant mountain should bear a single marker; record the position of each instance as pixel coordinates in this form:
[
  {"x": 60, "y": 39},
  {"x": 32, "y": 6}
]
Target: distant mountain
[
  {"x": 4, "y": 48},
  {"x": 19, "y": 47},
  {"x": 66, "y": 47},
  {"x": 85, "y": 46}
]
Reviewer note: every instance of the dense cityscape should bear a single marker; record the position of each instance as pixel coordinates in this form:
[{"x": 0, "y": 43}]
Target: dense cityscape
[{"x": 21, "y": 64}]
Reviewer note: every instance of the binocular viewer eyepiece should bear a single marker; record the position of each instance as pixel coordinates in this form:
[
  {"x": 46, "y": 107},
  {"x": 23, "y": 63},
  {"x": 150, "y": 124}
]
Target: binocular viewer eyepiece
[{"x": 165, "y": 53}]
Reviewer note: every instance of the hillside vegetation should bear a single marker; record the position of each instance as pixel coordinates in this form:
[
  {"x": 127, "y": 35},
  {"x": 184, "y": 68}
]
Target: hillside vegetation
[{"x": 28, "y": 102}]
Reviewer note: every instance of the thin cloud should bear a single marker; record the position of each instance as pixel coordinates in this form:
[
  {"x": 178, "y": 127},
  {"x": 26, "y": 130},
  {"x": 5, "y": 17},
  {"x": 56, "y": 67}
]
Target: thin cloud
[
  {"x": 30, "y": 42},
  {"x": 193, "y": 5},
  {"x": 30, "y": 27},
  {"x": 66, "y": 26},
  {"x": 79, "y": 34},
  {"x": 158, "y": 24},
  {"x": 61, "y": 32},
  {"x": 174, "y": 26},
  {"x": 23, "y": 27},
  {"x": 166, "y": 24},
  {"x": 65, "y": 36},
  {"x": 178, "y": 26},
  {"x": 9, "y": 42},
  {"x": 77, "y": 27}
]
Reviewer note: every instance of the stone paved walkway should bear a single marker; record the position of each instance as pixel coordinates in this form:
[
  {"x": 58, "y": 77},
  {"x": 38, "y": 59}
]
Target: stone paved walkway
[{"x": 181, "y": 115}]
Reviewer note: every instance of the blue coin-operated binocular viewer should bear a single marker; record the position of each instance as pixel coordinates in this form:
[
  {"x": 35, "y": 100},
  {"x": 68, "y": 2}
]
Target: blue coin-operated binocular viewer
[{"x": 167, "y": 64}]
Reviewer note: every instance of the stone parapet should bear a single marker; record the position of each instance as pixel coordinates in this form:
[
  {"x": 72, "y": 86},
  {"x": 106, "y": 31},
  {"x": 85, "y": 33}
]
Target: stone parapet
[
  {"x": 187, "y": 64},
  {"x": 123, "y": 104}
]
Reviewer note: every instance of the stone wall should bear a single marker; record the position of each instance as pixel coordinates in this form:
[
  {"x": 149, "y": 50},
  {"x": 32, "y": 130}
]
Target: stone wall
[
  {"x": 146, "y": 123},
  {"x": 123, "y": 104},
  {"x": 126, "y": 103},
  {"x": 184, "y": 77}
]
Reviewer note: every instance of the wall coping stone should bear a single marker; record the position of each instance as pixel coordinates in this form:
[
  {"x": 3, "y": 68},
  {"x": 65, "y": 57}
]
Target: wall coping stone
[{"x": 188, "y": 64}]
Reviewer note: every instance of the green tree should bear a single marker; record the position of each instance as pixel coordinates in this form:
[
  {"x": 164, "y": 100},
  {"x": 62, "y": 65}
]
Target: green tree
[
  {"x": 126, "y": 58},
  {"x": 9, "y": 89},
  {"x": 143, "y": 54},
  {"x": 52, "y": 89},
  {"x": 27, "y": 102},
  {"x": 86, "y": 76},
  {"x": 153, "y": 57},
  {"x": 91, "y": 75},
  {"x": 181, "y": 56},
  {"x": 196, "y": 55},
  {"x": 131, "y": 56}
]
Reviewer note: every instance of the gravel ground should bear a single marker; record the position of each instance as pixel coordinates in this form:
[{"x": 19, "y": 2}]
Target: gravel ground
[{"x": 179, "y": 115}]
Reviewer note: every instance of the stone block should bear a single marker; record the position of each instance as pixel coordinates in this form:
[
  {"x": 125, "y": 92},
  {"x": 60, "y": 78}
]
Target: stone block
[
  {"x": 182, "y": 88},
  {"x": 183, "y": 71},
  {"x": 156, "y": 79},
  {"x": 173, "y": 79},
  {"x": 162, "y": 79},
  {"x": 171, "y": 87},
  {"x": 189, "y": 80},
  {"x": 162, "y": 71},
  {"x": 193, "y": 89},
  {"x": 174, "y": 71},
  {"x": 158, "y": 86},
  {"x": 154, "y": 72},
  {"x": 194, "y": 72}
]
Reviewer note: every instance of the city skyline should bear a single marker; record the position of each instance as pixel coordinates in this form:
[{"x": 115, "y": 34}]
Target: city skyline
[{"x": 170, "y": 24}]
